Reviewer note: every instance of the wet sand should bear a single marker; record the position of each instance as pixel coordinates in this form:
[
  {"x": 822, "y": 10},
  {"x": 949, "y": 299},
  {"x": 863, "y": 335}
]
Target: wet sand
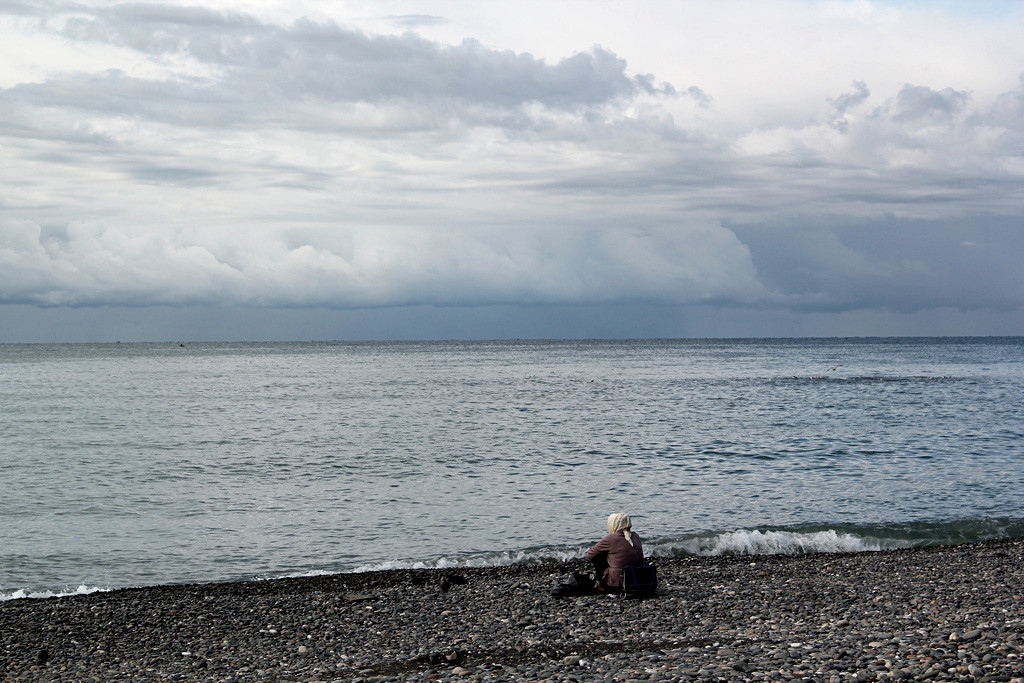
[{"x": 941, "y": 614}]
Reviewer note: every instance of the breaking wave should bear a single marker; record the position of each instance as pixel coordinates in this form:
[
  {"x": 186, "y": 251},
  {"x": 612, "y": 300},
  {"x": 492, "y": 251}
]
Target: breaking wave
[
  {"x": 755, "y": 542},
  {"x": 22, "y": 593}
]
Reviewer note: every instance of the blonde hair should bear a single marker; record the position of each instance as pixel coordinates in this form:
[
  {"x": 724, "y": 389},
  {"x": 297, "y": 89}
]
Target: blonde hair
[{"x": 620, "y": 522}]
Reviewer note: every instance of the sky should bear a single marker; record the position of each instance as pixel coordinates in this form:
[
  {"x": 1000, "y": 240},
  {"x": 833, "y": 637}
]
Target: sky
[{"x": 293, "y": 170}]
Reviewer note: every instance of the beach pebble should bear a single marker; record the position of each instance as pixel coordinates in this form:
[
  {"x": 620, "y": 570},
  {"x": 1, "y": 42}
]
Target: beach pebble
[{"x": 789, "y": 618}]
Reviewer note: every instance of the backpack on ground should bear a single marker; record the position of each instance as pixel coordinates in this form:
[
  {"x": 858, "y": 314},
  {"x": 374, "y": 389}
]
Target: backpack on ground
[{"x": 639, "y": 581}]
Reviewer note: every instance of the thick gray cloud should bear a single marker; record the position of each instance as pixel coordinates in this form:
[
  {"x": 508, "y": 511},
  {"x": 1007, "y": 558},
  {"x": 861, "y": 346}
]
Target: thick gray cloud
[
  {"x": 916, "y": 102},
  {"x": 326, "y": 62},
  {"x": 86, "y": 264},
  {"x": 206, "y": 158}
]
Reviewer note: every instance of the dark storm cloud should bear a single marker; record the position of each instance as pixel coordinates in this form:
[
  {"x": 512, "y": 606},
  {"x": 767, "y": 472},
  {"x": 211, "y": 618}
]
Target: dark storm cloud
[{"x": 892, "y": 264}]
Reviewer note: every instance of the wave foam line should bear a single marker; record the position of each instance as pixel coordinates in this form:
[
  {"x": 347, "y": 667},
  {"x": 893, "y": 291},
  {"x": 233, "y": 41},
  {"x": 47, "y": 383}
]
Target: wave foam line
[
  {"x": 23, "y": 593},
  {"x": 755, "y": 542},
  {"x": 501, "y": 559}
]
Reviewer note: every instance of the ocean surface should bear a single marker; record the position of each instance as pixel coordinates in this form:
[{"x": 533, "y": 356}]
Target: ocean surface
[{"x": 140, "y": 464}]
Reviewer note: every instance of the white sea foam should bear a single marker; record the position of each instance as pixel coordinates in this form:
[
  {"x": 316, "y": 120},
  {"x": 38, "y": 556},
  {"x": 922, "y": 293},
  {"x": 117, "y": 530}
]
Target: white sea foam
[
  {"x": 483, "y": 560},
  {"x": 23, "y": 593},
  {"x": 756, "y": 542}
]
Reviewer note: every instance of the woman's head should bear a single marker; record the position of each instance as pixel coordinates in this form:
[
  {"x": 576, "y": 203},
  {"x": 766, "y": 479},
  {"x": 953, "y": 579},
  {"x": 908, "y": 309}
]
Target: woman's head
[{"x": 619, "y": 522}]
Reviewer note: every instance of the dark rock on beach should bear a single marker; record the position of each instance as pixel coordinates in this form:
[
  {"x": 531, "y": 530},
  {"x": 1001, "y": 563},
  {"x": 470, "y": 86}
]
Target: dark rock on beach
[{"x": 930, "y": 614}]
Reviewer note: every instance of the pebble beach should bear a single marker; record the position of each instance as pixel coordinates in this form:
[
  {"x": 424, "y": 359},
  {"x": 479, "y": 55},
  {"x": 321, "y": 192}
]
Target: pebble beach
[{"x": 953, "y": 613}]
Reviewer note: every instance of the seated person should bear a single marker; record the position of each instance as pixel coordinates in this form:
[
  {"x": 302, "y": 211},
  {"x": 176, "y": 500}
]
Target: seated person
[{"x": 618, "y": 549}]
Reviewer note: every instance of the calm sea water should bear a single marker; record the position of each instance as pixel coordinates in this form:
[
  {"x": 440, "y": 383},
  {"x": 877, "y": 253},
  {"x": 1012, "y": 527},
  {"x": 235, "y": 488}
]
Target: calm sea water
[{"x": 138, "y": 464}]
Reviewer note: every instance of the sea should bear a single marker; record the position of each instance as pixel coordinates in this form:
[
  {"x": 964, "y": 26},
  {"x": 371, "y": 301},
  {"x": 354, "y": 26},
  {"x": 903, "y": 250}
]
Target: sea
[{"x": 165, "y": 463}]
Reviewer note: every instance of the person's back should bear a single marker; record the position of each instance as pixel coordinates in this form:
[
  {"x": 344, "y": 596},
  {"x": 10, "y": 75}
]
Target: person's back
[{"x": 620, "y": 548}]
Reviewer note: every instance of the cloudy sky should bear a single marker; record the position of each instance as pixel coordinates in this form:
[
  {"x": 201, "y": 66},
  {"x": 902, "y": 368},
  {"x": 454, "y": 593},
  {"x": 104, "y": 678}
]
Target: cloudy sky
[{"x": 233, "y": 169}]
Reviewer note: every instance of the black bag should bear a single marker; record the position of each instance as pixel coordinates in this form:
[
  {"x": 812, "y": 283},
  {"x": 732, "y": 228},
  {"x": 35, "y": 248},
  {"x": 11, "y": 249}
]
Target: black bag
[
  {"x": 581, "y": 584},
  {"x": 639, "y": 581}
]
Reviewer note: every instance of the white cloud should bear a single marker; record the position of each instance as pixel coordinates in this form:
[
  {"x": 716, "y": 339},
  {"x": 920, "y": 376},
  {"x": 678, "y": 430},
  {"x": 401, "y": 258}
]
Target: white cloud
[{"x": 87, "y": 264}]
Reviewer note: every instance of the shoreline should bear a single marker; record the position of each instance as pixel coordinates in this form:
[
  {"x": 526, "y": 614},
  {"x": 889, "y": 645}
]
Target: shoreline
[{"x": 942, "y": 613}]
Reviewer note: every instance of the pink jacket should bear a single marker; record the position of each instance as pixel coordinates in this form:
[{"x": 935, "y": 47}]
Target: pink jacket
[{"x": 619, "y": 554}]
